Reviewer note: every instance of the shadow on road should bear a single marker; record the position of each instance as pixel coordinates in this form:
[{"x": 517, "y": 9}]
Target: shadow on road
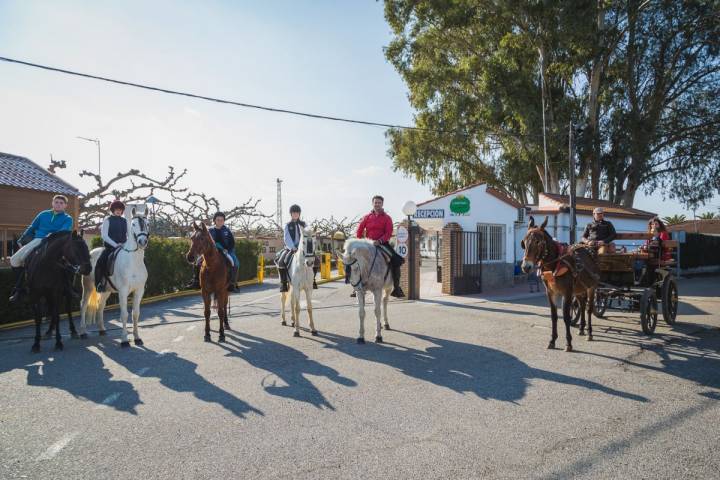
[
  {"x": 78, "y": 371},
  {"x": 463, "y": 367},
  {"x": 286, "y": 364}
]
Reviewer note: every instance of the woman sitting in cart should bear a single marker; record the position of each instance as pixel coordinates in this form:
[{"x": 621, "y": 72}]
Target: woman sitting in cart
[{"x": 659, "y": 234}]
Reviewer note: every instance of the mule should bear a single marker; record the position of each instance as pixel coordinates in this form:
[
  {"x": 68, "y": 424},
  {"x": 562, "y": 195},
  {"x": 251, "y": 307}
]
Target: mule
[
  {"x": 566, "y": 273},
  {"x": 370, "y": 272},
  {"x": 47, "y": 268},
  {"x": 301, "y": 275},
  {"x": 129, "y": 276},
  {"x": 213, "y": 277}
]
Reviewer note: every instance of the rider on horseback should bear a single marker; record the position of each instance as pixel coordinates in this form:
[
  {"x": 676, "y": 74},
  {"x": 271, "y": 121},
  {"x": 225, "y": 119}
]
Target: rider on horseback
[
  {"x": 378, "y": 227},
  {"x": 114, "y": 235},
  {"x": 225, "y": 243},
  {"x": 45, "y": 223},
  {"x": 291, "y": 236}
]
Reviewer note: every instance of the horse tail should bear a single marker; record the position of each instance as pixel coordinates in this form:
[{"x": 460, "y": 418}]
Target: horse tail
[{"x": 93, "y": 306}]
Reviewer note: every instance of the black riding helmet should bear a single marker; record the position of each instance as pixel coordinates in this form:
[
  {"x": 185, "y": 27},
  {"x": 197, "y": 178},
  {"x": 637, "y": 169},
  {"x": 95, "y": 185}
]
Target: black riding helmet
[
  {"x": 218, "y": 214},
  {"x": 295, "y": 208}
]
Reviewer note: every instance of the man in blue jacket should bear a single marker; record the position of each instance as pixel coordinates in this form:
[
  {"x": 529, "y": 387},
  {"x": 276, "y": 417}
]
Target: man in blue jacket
[{"x": 45, "y": 223}]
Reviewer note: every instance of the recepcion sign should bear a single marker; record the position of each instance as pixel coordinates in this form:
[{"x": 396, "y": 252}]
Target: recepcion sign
[{"x": 430, "y": 213}]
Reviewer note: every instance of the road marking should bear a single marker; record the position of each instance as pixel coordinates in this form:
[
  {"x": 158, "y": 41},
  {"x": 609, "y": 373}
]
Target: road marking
[
  {"x": 141, "y": 372},
  {"x": 109, "y": 400},
  {"x": 179, "y": 338},
  {"x": 55, "y": 448},
  {"x": 191, "y": 328}
]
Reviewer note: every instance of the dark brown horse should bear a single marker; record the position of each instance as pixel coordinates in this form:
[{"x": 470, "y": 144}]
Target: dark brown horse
[
  {"x": 47, "y": 268},
  {"x": 567, "y": 273},
  {"x": 213, "y": 277}
]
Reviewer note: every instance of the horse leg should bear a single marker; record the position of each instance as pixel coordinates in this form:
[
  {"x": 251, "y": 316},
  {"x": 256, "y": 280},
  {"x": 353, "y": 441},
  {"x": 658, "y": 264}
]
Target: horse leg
[
  {"x": 37, "y": 310},
  {"x": 553, "y": 318},
  {"x": 295, "y": 309},
  {"x": 308, "y": 296},
  {"x": 283, "y": 301},
  {"x": 137, "y": 298},
  {"x": 68, "y": 307},
  {"x": 567, "y": 314},
  {"x": 222, "y": 301},
  {"x": 582, "y": 301},
  {"x": 54, "y": 311},
  {"x": 361, "y": 313},
  {"x": 590, "y": 303},
  {"x": 83, "y": 311},
  {"x": 206, "y": 301},
  {"x": 386, "y": 299},
  {"x": 377, "y": 298},
  {"x": 123, "y": 300},
  {"x": 101, "y": 314}
]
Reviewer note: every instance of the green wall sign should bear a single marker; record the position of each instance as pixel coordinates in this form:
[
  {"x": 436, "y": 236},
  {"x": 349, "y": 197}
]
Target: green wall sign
[{"x": 460, "y": 205}]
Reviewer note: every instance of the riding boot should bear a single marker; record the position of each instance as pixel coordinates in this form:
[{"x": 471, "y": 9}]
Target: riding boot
[
  {"x": 19, "y": 288},
  {"x": 283, "y": 279},
  {"x": 195, "y": 282},
  {"x": 397, "y": 291},
  {"x": 315, "y": 272},
  {"x": 233, "y": 279}
]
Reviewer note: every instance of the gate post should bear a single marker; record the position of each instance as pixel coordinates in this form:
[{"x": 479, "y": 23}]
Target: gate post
[
  {"x": 410, "y": 270},
  {"x": 450, "y": 256}
]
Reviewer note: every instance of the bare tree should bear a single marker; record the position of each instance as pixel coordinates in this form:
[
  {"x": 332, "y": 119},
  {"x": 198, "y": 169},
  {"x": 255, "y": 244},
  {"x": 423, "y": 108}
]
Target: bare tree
[{"x": 329, "y": 226}]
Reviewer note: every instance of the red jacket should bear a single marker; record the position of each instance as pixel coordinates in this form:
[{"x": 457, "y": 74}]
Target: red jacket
[{"x": 375, "y": 227}]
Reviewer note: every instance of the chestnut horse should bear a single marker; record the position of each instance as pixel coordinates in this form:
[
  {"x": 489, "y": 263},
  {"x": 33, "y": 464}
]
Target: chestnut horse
[
  {"x": 566, "y": 273},
  {"x": 213, "y": 277}
]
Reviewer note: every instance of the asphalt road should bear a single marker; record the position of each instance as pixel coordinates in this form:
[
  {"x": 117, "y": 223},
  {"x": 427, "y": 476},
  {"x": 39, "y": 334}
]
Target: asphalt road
[{"x": 461, "y": 388}]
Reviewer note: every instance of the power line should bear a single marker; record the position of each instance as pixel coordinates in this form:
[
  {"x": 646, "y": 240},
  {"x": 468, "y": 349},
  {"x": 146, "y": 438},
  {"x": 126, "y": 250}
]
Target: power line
[{"x": 220, "y": 100}]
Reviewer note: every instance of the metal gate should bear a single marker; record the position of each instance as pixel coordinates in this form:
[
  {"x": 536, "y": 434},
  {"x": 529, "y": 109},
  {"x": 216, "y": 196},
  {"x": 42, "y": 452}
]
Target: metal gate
[{"x": 466, "y": 262}]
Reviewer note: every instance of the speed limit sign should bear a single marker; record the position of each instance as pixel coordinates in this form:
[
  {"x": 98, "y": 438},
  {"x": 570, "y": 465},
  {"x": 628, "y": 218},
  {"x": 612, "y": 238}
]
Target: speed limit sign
[{"x": 402, "y": 250}]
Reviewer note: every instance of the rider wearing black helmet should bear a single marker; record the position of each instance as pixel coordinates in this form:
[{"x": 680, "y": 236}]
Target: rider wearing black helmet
[{"x": 291, "y": 236}]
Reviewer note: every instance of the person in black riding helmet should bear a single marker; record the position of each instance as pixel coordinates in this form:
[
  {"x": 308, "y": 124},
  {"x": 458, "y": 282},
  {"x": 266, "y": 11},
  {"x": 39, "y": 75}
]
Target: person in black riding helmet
[
  {"x": 114, "y": 234},
  {"x": 291, "y": 237},
  {"x": 225, "y": 243}
]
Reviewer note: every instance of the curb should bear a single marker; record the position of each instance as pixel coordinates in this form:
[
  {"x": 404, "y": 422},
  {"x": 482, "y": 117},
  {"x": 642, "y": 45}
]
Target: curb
[{"x": 155, "y": 299}]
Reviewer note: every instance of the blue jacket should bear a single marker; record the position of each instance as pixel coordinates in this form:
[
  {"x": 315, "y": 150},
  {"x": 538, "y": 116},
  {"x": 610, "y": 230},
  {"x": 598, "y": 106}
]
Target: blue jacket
[
  {"x": 223, "y": 238},
  {"x": 48, "y": 222}
]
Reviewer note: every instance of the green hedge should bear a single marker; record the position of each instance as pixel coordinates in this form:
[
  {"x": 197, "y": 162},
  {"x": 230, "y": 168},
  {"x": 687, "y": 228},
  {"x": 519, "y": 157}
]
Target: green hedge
[
  {"x": 168, "y": 271},
  {"x": 699, "y": 251}
]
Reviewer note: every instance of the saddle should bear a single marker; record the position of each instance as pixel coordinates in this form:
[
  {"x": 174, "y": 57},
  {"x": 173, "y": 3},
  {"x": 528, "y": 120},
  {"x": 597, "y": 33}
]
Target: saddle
[
  {"x": 110, "y": 262},
  {"x": 562, "y": 267}
]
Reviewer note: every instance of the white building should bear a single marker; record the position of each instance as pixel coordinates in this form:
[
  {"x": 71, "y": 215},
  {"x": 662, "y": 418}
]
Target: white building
[{"x": 476, "y": 208}]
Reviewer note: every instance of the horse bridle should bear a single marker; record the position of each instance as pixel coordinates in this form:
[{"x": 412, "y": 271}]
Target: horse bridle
[
  {"x": 355, "y": 285},
  {"x": 143, "y": 233}
]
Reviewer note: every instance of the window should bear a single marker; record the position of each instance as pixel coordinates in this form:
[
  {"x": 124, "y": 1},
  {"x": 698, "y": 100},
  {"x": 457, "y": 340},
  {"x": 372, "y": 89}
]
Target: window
[
  {"x": 493, "y": 242},
  {"x": 272, "y": 249}
]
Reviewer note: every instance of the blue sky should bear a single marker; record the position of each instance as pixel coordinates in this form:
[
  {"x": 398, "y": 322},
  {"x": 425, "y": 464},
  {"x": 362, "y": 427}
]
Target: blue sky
[{"x": 319, "y": 56}]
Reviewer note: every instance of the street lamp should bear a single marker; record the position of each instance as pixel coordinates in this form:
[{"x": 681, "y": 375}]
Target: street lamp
[
  {"x": 96, "y": 142},
  {"x": 153, "y": 200},
  {"x": 409, "y": 209}
]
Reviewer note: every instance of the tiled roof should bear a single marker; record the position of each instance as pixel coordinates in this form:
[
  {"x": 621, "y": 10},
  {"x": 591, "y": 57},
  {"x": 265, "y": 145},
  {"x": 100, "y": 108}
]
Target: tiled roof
[
  {"x": 21, "y": 172},
  {"x": 558, "y": 202},
  {"x": 699, "y": 226},
  {"x": 497, "y": 193}
]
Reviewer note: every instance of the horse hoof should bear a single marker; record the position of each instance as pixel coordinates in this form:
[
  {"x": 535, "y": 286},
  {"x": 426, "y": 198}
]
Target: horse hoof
[
  {"x": 589, "y": 338},
  {"x": 138, "y": 341},
  {"x": 568, "y": 348},
  {"x": 207, "y": 338},
  {"x": 361, "y": 340},
  {"x": 314, "y": 333},
  {"x": 83, "y": 336},
  {"x": 581, "y": 333},
  {"x": 221, "y": 339},
  {"x": 74, "y": 335},
  {"x": 227, "y": 326},
  {"x": 58, "y": 347},
  {"x": 124, "y": 344},
  {"x": 551, "y": 346},
  {"x": 387, "y": 327},
  {"x": 378, "y": 339},
  {"x": 283, "y": 323},
  {"x": 102, "y": 333},
  {"x": 296, "y": 334},
  {"x": 35, "y": 348}
]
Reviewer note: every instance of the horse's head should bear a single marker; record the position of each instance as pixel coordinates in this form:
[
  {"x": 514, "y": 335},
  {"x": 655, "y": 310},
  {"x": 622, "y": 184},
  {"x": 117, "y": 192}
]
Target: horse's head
[
  {"x": 77, "y": 254},
  {"x": 535, "y": 245},
  {"x": 308, "y": 246},
  {"x": 200, "y": 242},
  {"x": 139, "y": 227},
  {"x": 355, "y": 250}
]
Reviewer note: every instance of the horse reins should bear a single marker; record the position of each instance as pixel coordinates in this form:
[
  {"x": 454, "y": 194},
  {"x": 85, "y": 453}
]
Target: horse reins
[
  {"x": 377, "y": 249},
  {"x": 143, "y": 233}
]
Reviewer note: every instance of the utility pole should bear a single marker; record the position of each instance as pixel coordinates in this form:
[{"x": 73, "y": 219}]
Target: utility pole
[
  {"x": 96, "y": 141},
  {"x": 542, "y": 97},
  {"x": 278, "y": 212},
  {"x": 571, "y": 176}
]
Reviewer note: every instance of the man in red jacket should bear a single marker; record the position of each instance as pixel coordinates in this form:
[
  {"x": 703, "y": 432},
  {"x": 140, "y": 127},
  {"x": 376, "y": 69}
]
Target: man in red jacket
[{"x": 378, "y": 227}]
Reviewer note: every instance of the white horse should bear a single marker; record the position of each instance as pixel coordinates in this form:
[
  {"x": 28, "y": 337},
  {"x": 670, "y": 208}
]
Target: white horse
[
  {"x": 129, "y": 276},
  {"x": 301, "y": 276},
  {"x": 369, "y": 271}
]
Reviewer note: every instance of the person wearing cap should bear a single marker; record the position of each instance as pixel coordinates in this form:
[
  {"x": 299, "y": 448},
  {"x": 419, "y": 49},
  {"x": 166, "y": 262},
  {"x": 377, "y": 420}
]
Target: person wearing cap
[
  {"x": 225, "y": 242},
  {"x": 114, "y": 235},
  {"x": 599, "y": 232},
  {"x": 45, "y": 223},
  {"x": 291, "y": 237}
]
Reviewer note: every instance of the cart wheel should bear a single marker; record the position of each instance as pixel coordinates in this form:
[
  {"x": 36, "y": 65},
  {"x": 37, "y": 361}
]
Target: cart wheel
[
  {"x": 601, "y": 303},
  {"x": 669, "y": 300},
  {"x": 575, "y": 312},
  {"x": 648, "y": 311}
]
